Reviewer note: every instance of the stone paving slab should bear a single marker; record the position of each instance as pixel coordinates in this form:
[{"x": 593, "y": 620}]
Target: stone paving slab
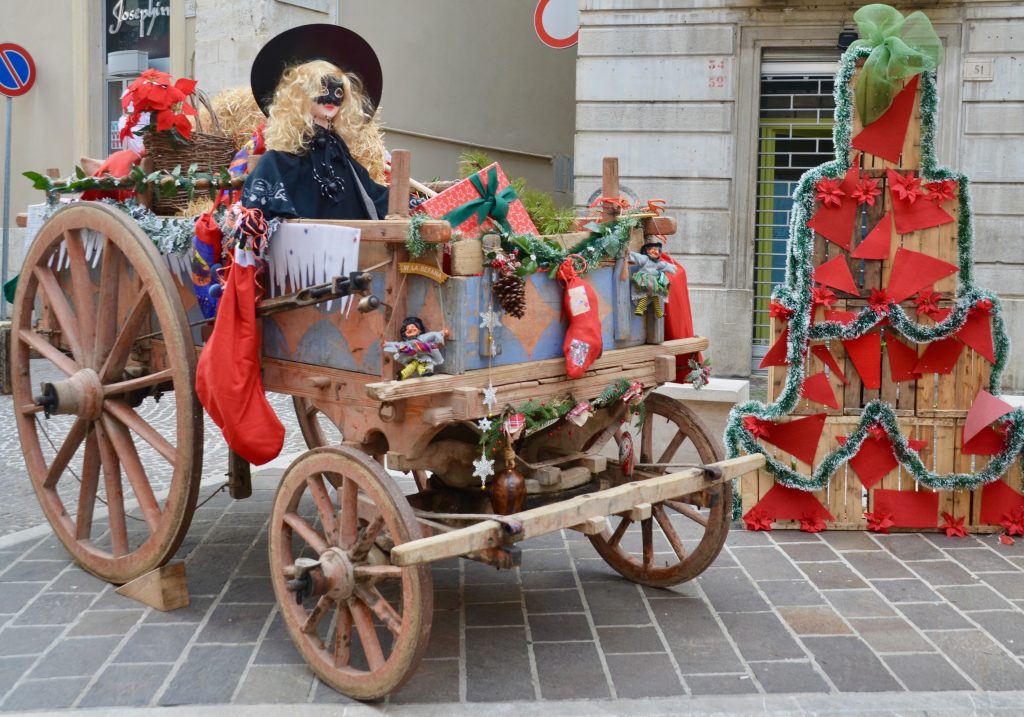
[{"x": 832, "y": 614}]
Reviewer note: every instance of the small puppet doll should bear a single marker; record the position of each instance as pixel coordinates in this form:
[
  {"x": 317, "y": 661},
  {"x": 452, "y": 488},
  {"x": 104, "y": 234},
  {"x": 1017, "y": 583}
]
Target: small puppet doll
[
  {"x": 319, "y": 86},
  {"x": 649, "y": 280},
  {"x": 418, "y": 350}
]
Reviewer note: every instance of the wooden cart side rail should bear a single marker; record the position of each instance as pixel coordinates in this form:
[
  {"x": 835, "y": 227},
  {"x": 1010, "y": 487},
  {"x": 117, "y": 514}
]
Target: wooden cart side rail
[
  {"x": 578, "y": 511},
  {"x": 388, "y": 231},
  {"x": 534, "y": 371}
]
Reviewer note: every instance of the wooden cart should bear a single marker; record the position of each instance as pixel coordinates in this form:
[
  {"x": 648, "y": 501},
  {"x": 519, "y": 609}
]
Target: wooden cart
[{"x": 349, "y": 552}]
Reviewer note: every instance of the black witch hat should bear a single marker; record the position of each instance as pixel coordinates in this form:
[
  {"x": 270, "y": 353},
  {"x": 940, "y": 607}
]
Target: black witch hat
[{"x": 338, "y": 45}]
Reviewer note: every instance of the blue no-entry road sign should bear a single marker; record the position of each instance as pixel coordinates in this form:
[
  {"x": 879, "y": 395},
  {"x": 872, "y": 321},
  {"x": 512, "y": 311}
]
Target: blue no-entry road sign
[{"x": 17, "y": 70}]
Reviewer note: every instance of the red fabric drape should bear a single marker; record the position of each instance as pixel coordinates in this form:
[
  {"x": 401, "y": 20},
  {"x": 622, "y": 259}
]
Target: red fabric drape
[{"x": 678, "y": 316}]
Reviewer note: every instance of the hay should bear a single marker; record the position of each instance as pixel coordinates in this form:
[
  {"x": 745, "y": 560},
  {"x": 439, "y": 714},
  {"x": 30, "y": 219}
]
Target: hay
[
  {"x": 200, "y": 204},
  {"x": 238, "y": 113}
]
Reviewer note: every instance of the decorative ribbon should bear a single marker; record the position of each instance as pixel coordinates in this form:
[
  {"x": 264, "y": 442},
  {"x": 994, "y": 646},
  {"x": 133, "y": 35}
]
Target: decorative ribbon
[
  {"x": 493, "y": 203},
  {"x": 901, "y": 47}
]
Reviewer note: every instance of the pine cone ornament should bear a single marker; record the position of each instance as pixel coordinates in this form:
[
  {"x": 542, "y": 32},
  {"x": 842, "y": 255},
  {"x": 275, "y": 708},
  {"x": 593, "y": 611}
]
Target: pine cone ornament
[{"x": 511, "y": 294}]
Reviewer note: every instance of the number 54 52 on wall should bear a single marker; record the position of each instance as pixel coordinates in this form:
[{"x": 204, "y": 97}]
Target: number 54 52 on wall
[{"x": 716, "y": 72}]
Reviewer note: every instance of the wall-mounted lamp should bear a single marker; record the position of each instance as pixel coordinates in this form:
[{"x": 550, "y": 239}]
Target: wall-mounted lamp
[{"x": 846, "y": 38}]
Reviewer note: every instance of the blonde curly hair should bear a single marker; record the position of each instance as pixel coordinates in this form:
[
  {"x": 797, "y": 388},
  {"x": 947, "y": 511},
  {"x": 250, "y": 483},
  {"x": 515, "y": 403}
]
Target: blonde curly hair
[{"x": 290, "y": 124}]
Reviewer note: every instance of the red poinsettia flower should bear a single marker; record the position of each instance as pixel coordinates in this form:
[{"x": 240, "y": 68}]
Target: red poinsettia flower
[
  {"x": 866, "y": 191},
  {"x": 755, "y": 426},
  {"x": 879, "y": 301},
  {"x": 829, "y": 192},
  {"x": 757, "y": 519},
  {"x": 778, "y": 311},
  {"x": 983, "y": 305},
  {"x": 812, "y": 524},
  {"x": 927, "y": 302},
  {"x": 954, "y": 527},
  {"x": 153, "y": 92},
  {"x": 907, "y": 187},
  {"x": 1013, "y": 522},
  {"x": 879, "y": 522},
  {"x": 942, "y": 190},
  {"x": 876, "y": 431},
  {"x": 822, "y": 296}
]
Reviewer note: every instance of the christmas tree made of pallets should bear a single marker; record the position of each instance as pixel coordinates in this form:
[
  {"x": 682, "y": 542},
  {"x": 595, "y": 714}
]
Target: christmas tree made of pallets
[{"x": 886, "y": 357}]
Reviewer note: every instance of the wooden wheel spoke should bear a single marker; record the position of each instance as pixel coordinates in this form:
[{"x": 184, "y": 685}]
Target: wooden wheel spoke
[
  {"x": 127, "y": 415},
  {"x": 106, "y": 312},
  {"x": 647, "y": 440},
  {"x": 367, "y": 537},
  {"x": 324, "y": 506},
  {"x": 342, "y": 635},
  {"x": 372, "y": 598},
  {"x": 363, "y": 618},
  {"x": 647, "y": 532},
  {"x": 82, "y": 292},
  {"x": 317, "y": 614},
  {"x": 619, "y": 532},
  {"x": 136, "y": 473},
  {"x": 67, "y": 450},
  {"x": 114, "y": 492},
  {"x": 62, "y": 311},
  {"x": 87, "y": 490},
  {"x": 306, "y": 531},
  {"x": 672, "y": 447},
  {"x": 348, "y": 514},
  {"x": 670, "y": 532},
  {"x": 48, "y": 351},
  {"x": 689, "y": 511},
  {"x": 122, "y": 346},
  {"x": 134, "y": 384},
  {"x": 373, "y": 572}
]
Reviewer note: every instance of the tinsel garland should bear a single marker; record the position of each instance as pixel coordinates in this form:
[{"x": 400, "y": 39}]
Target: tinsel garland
[
  {"x": 166, "y": 182},
  {"x": 414, "y": 242},
  {"x": 795, "y": 294},
  {"x": 607, "y": 241}
]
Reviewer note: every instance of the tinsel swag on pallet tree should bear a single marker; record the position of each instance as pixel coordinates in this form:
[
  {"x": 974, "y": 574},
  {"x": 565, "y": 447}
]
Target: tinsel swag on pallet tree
[{"x": 888, "y": 413}]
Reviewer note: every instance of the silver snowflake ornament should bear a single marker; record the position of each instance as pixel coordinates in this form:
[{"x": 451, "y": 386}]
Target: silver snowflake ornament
[
  {"x": 490, "y": 397},
  {"x": 483, "y": 468},
  {"x": 484, "y": 424},
  {"x": 490, "y": 320}
]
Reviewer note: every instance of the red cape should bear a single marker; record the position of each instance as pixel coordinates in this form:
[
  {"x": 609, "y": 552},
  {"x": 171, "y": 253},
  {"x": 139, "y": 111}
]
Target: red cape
[{"x": 678, "y": 317}]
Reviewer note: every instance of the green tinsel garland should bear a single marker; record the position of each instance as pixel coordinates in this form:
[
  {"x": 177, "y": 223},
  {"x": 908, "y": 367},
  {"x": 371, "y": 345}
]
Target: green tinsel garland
[
  {"x": 606, "y": 241},
  {"x": 795, "y": 294},
  {"x": 414, "y": 243}
]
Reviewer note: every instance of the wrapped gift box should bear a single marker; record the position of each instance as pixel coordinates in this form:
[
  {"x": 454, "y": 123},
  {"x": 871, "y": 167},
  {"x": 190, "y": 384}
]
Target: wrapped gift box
[{"x": 475, "y": 205}]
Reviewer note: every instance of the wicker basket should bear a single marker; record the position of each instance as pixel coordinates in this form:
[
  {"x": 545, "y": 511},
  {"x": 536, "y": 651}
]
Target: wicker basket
[{"x": 210, "y": 150}]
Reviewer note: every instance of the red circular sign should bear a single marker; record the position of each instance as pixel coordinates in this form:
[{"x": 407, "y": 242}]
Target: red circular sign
[
  {"x": 557, "y": 22},
  {"x": 17, "y": 70}
]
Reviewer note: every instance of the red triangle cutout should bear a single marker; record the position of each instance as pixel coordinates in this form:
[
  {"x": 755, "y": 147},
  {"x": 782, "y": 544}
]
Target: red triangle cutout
[
  {"x": 826, "y": 357},
  {"x": 985, "y": 410},
  {"x": 885, "y": 136},
  {"x": 908, "y": 508},
  {"x": 874, "y": 461},
  {"x": 939, "y": 357},
  {"x": 919, "y": 214},
  {"x": 866, "y": 354},
  {"x": 912, "y": 270},
  {"x": 878, "y": 243},
  {"x": 817, "y": 388},
  {"x": 836, "y": 223},
  {"x": 988, "y": 442},
  {"x": 836, "y": 273},
  {"x": 782, "y": 503},
  {"x": 799, "y": 438},
  {"x": 776, "y": 355},
  {"x": 977, "y": 333},
  {"x": 997, "y": 500},
  {"x": 902, "y": 360}
]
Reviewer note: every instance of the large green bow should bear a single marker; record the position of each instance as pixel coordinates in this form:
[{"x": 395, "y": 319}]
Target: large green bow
[
  {"x": 492, "y": 202},
  {"x": 900, "y": 47}
]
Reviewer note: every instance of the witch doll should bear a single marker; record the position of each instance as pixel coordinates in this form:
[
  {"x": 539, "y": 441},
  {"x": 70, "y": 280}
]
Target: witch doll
[
  {"x": 319, "y": 86},
  {"x": 418, "y": 350},
  {"x": 649, "y": 281}
]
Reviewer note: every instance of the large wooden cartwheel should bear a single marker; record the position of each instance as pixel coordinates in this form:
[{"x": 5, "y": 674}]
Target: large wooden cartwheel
[
  {"x": 683, "y": 536},
  {"x": 361, "y": 623},
  {"x": 95, "y": 381}
]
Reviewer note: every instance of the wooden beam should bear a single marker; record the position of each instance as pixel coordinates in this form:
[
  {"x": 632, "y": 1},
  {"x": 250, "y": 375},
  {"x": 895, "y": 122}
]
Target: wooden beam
[
  {"x": 390, "y": 231},
  {"x": 566, "y": 514},
  {"x": 533, "y": 371},
  {"x": 660, "y": 225},
  {"x": 592, "y": 526}
]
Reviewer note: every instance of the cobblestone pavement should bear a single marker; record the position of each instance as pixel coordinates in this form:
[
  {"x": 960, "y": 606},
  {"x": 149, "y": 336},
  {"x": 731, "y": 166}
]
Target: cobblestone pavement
[{"x": 778, "y": 614}]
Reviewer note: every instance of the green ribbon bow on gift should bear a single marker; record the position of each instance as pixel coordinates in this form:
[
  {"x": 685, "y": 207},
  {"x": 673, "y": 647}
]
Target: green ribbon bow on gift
[
  {"x": 901, "y": 47},
  {"x": 492, "y": 202}
]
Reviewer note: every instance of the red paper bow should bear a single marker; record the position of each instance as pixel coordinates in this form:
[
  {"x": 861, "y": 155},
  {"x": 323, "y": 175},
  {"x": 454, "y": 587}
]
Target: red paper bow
[
  {"x": 876, "y": 431},
  {"x": 757, "y": 519},
  {"x": 879, "y": 301},
  {"x": 755, "y": 426},
  {"x": 954, "y": 527},
  {"x": 812, "y": 524},
  {"x": 907, "y": 187},
  {"x": 866, "y": 191},
  {"x": 942, "y": 190},
  {"x": 821, "y": 296},
  {"x": 829, "y": 192},
  {"x": 879, "y": 522},
  {"x": 1013, "y": 522},
  {"x": 984, "y": 305},
  {"x": 778, "y": 311},
  {"x": 927, "y": 302}
]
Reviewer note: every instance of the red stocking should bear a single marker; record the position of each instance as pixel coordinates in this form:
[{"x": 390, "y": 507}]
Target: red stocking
[
  {"x": 582, "y": 345},
  {"x": 228, "y": 376}
]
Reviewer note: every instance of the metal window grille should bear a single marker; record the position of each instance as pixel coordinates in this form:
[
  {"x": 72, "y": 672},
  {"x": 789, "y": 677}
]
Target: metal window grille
[{"x": 794, "y": 134}]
